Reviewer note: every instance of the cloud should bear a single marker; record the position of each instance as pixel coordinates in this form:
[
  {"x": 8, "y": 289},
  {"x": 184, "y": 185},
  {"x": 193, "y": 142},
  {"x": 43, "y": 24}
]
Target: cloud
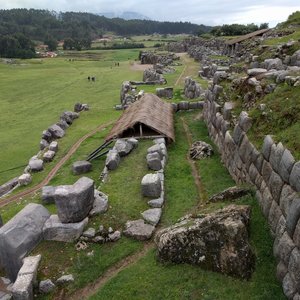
[{"x": 212, "y": 12}]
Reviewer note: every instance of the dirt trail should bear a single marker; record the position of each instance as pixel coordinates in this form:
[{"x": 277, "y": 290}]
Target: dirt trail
[
  {"x": 92, "y": 288},
  {"x": 201, "y": 190},
  {"x": 52, "y": 173}
]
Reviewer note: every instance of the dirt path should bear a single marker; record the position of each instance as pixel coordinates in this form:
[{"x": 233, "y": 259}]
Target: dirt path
[
  {"x": 201, "y": 190},
  {"x": 52, "y": 173},
  {"x": 139, "y": 67},
  {"x": 92, "y": 288}
]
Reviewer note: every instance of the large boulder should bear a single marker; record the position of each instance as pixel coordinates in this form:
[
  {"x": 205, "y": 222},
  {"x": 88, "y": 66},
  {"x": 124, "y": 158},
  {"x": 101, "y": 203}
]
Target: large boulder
[
  {"x": 152, "y": 215},
  {"x": 74, "y": 202},
  {"x": 112, "y": 160},
  {"x": 81, "y": 167},
  {"x": 20, "y": 235},
  {"x": 48, "y": 194},
  {"x": 35, "y": 164},
  {"x": 217, "y": 242},
  {"x": 154, "y": 161},
  {"x": 53, "y": 146},
  {"x": 151, "y": 185},
  {"x": 48, "y": 156},
  {"x": 24, "y": 179},
  {"x": 139, "y": 230},
  {"x": 56, "y": 131},
  {"x": 55, "y": 230},
  {"x": 100, "y": 205},
  {"x": 123, "y": 147},
  {"x": 22, "y": 289}
]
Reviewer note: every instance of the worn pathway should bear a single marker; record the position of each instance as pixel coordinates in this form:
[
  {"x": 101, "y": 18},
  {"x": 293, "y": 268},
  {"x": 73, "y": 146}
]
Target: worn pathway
[{"x": 52, "y": 173}]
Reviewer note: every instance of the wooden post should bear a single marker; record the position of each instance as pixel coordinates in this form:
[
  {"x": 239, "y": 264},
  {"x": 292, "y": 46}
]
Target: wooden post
[{"x": 141, "y": 129}]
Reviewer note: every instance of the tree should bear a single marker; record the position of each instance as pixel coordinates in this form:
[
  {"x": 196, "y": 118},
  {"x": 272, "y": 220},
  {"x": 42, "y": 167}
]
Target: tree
[
  {"x": 51, "y": 43},
  {"x": 69, "y": 44},
  {"x": 264, "y": 26},
  {"x": 16, "y": 46}
]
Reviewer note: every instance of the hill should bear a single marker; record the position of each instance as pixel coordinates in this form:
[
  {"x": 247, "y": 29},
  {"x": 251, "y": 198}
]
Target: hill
[
  {"x": 43, "y": 24},
  {"x": 126, "y": 15}
]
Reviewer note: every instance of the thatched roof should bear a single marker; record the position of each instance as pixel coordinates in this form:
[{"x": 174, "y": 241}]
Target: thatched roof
[
  {"x": 151, "y": 112},
  {"x": 246, "y": 36}
]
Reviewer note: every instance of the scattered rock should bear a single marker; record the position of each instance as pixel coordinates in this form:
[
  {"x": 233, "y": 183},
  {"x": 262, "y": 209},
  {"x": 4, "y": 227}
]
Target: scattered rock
[
  {"x": 115, "y": 236},
  {"x": 89, "y": 233},
  {"x": 46, "y": 286},
  {"x": 65, "y": 279},
  {"x": 152, "y": 216},
  {"x": 24, "y": 179},
  {"x": 48, "y": 156},
  {"x": 139, "y": 230},
  {"x": 217, "y": 241},
  {"x": 256, "y": 71},
  {"x": 200, "y": 150},
  {"x": 81, "y": 167}
]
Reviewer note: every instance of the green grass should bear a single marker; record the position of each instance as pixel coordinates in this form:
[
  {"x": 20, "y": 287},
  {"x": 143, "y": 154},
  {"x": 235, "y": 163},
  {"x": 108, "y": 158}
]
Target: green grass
[
  {"x": 34, "y": 95},
  {"x": 280, "y": 119},
  {"x": 214, "y": 175},
  {"x": 150, "y": 279}
]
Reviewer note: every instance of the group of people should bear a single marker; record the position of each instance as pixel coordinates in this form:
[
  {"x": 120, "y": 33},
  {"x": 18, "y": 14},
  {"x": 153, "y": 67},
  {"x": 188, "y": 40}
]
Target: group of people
[{"x": 93, "y": 78}]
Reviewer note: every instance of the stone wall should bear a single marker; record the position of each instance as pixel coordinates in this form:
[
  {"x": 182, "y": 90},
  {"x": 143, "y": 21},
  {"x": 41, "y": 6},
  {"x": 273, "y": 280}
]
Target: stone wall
[{"x": 276, "y": 177}]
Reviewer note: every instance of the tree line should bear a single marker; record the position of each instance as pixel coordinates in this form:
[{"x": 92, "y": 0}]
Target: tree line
[
  {"x": 237, "y": 29},
  {"x": 43, "y": 24}
]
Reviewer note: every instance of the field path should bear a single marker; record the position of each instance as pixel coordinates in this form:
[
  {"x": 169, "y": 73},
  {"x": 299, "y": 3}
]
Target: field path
[
  {"x": 52, "y": 173},
  {"x": 92, "y": 288},
  {"x": 201, "y": 190}
]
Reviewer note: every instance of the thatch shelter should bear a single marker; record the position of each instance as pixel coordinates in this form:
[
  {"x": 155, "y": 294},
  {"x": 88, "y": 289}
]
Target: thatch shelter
[
  {"x": 232, "y": 44},
  {"x": 147, "y": 117}
]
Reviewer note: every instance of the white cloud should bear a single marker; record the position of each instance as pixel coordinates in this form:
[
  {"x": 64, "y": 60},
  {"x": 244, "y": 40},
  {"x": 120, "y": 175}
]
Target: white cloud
[{"x": 212, "y": 12}]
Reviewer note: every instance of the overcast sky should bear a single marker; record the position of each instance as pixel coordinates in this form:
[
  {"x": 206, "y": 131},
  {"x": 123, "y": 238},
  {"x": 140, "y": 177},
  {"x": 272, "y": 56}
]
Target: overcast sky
[{"x": 208, "y": 12}]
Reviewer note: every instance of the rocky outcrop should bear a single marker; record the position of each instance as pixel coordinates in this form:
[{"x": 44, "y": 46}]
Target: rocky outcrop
[
  {"x": 150, "y": 75},
  {"x": 217, "y": 242},
  {"x": 156, "y": 58},
  {"x": 192, "y": 89},
  {"x": 20, "y": 235}
]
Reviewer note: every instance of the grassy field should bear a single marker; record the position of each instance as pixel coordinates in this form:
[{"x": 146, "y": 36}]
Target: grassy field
[
  {"x": 48, "y": 87},
  {"x": 35, "y": 93}
]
